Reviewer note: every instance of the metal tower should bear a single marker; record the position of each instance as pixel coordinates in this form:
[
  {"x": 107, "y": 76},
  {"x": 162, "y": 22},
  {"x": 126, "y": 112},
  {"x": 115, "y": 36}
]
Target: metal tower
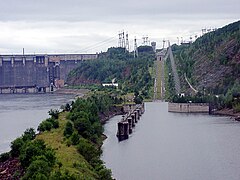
[
  {"x": 127, "y": 42},
  {"x": 135, "y": 48}
]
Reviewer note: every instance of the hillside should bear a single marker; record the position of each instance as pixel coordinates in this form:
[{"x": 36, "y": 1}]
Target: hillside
[
  {"x": 212, "y": 62},
  {"x": 132, "y": 74}
]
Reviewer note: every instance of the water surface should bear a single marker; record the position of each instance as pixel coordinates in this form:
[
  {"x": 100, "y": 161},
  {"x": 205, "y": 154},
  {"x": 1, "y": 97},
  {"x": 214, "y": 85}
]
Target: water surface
[
  {"x": 173, "y": 146},
  {"x": 21, "y": 111}
]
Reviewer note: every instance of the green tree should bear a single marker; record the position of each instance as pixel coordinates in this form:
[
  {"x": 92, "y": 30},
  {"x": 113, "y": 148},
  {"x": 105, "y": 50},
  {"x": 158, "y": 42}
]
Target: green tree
[
  {"x": 16, "y": 146},
  {"x": 68, "y": 129},
  {"x": 75, "y": 138},
  {"x": 29, "y": 134}
]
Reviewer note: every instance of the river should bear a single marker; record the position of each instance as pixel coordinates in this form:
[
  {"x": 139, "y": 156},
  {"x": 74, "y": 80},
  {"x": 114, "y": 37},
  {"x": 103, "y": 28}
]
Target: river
[
  {"x": 174, "y": 146},
  {"x": 21, "y": 111}
]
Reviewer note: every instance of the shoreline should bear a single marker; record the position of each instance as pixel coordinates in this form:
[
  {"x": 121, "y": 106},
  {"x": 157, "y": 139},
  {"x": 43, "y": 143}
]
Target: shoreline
[
  {"x": 227, "y": 112},
  {"x": 76, "y": 92}
]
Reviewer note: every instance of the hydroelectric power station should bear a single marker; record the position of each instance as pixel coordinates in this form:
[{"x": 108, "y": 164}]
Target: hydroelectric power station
[{"x": 37, "y": 73}]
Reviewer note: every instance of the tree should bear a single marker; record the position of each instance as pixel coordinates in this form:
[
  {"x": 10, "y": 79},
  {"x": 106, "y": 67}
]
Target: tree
[
  {"x": 29, "y": 134},
  {"x": 83, "y": 126},
  {"x": 38, "y": 169},
  {"x": 54, "y": 113},
  {"x": 68, "y": 129},
  {"x": 16, "y": 146},
  {"x": 75, "y": 138}
]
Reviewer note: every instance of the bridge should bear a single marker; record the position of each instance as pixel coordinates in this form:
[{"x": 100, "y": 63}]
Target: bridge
[
  {"x": 37, "y": 73},
  {"x": 128, "y": 121}
]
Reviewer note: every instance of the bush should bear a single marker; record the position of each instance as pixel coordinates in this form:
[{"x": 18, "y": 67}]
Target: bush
[
  {"x": 54, "y": 113},
  {"x": 75, "y": 138},
  {"x": 29, "y": 134},
  {"x": 44, "y": 126},
  {"x": 4, "y": 156},
  {"x": 88, "y": 150},
  {"x": 68, "y": 129},
  {"x": 105, "y": 174},
  {"x": 38, "y": 169},
  {"x": 16, "y": 146},
  {"x": 83, "y": 126}
]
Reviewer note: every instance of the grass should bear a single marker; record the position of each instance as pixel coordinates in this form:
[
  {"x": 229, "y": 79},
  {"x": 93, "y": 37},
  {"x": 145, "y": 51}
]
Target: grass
[{"x": 71, "y": 160}]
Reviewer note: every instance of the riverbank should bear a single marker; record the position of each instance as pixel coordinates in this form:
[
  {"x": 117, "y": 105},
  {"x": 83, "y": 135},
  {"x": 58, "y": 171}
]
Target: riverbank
[
  {"x": 227, "y": 112},
  {"x": 76, "y": 92}
]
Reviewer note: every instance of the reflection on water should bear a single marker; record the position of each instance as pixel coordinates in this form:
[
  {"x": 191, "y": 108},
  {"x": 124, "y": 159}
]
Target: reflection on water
[
  {"x": 21, "y": 111},
  {"x": 171, "y": 146}
]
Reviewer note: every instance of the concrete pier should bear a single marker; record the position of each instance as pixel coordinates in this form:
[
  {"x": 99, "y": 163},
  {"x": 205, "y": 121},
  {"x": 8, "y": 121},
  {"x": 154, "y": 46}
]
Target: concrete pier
[{"x": 128, "y": 121}]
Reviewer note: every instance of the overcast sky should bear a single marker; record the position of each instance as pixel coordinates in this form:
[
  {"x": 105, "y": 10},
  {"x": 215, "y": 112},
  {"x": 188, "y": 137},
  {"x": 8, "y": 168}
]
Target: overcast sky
[{"x": 89, "y": 26}]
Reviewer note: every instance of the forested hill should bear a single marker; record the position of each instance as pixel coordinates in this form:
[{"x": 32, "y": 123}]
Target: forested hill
[
  {"x": 212, "y": 62},
  {"x": 131, "y": 73}
]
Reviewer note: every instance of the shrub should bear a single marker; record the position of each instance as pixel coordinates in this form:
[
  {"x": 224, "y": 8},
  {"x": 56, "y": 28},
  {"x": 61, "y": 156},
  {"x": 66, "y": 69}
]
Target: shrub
[
  {"x": 68, "y": 129},
  {"x": 54, "y": 113},
  {"x": 75, "y": 138},
  {"x": 4, "y": 156},
  {"x": 16, "y": 146},
  {"x": 88, "y": 150},
  {"x": 29, "y": 134}
]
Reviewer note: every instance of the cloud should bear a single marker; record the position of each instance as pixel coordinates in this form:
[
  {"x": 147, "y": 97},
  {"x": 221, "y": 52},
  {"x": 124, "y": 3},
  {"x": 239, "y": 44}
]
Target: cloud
[{"x": 89, "y": 26}]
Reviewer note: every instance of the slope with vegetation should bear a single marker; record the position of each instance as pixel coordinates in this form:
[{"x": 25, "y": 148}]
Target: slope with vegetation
[
  {"x": 212, "y": 63},
  {"x": 132, "y": 74},
  {"x": 68, "y": 145}
]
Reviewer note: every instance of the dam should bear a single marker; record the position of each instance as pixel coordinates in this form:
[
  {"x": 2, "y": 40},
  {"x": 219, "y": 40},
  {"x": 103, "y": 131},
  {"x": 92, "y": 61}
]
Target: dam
[{"x": 37, "y": 73}]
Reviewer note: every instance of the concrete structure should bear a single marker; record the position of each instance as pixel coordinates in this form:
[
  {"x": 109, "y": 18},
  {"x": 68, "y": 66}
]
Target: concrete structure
[
  {"x": 24, "y": 73},
  {"x": 189, "y": 107},
  {"x": 125, "y": 126}
]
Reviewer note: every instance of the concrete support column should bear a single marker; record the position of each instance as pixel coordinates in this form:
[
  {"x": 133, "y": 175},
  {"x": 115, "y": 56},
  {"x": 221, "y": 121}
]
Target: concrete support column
[
  {"x": 130, "y": 125},
  {"x": 1, "y": 61},
  {"x": 136, "y": 115},
  {"x": 12, "y": 61},
  {"x": 123, "y": 130},
  {"x": 139, "y": 113},
  {"x": 24, "y": 60},
  {"x": 46, "y": 60}
]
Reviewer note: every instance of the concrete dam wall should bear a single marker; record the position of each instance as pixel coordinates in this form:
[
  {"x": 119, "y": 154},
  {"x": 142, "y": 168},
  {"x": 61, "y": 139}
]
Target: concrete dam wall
[
  {"x": 37, "y": 71},
  {"x": 189, "y": 107}
]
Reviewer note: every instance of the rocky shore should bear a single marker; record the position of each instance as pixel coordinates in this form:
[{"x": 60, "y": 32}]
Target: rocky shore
[
  {"x": 11, "y": 169},
  {"x": 228, "y": 112}
]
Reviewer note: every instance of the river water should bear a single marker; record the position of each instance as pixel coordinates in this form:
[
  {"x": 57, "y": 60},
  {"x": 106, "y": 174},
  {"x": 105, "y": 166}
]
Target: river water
[
  {"x": 174, "y": 146},
  {"x": 21, "y": 111}
]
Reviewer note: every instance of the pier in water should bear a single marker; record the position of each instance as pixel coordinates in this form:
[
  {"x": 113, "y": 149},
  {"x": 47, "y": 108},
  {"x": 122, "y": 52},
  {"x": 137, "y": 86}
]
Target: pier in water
[{"x": 171, "y": 146}]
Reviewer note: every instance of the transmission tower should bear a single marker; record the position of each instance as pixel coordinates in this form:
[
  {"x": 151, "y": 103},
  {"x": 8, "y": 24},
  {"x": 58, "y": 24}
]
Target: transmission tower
[
  {"x": 127, "y": 42},
  {"x": 121, "y": 41},
  {"x": 135, "y": 48},
  {"x": 145, "y": 41}
]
